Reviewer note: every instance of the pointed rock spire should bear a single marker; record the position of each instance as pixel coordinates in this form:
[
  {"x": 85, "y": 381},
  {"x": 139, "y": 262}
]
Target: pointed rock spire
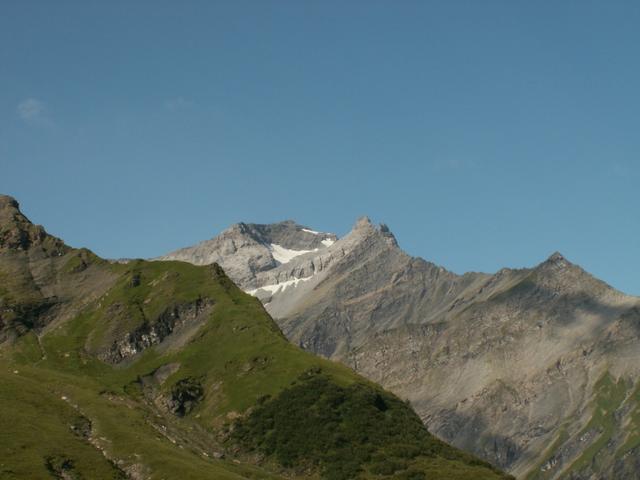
[
  {"x": 18, "y": 233},
  {"x": 556, "y": 257},
  {"x": 364, "y": 228},
  {"x": 7, "y": 202},
  {"x": 363, "y": 223},
  {"x": 556, "y": 262}
]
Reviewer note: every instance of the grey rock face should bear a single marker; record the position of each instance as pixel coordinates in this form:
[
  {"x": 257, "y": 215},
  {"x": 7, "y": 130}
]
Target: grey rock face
[
  {"x": 176, "y": 320},
  {"x": 533, "y": 369},
  {"x": 246, "y": 250}
]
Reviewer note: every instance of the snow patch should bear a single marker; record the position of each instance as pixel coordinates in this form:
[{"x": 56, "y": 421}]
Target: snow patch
[
  {"x": 327, "y": 242},
  {"x": 279, "y": 287},
  {"x": 285, "y": 255}
]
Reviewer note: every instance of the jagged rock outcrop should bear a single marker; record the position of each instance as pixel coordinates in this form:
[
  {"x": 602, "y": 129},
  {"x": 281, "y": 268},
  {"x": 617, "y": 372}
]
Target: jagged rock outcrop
[
  {"x": 512, "y": 366},
  {"x": 174, "y": 320},
  {"x": 18, "y": 233}
]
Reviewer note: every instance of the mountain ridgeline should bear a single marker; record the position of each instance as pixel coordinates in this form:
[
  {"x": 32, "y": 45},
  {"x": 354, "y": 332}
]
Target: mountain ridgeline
[
  {"x": 149, "y": 370},
  {"x": 534, "y": 370}
]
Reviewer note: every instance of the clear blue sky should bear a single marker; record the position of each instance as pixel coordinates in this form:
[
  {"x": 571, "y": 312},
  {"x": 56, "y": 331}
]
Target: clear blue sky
[{"x": 484, "y": 133}]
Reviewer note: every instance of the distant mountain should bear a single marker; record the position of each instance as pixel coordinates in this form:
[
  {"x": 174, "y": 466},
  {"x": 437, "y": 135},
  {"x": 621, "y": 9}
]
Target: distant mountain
[
  {"x": 246, "y": 251},
  {"x": 534, "y": 370},
  {"x": 150, "y": 370}
]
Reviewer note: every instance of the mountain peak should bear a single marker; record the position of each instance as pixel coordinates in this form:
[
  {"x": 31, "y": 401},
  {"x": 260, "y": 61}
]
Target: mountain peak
[
  {"x": 363, "y": 222},
  {"x": 364, "y": 227},
  {"x": 10, "y": 212},
  {"x": 8, "y": 202},
  {"x": 14, "y": 225},
  {"x": 558, "y": 260},
  {"x": 556, "y": 257},
  {"x": 554, "y": 264},
  {"x": 16, "y": 230}
]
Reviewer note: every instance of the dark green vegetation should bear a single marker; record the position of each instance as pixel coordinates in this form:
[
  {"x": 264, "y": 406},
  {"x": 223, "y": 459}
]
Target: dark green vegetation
[
  {"x": 349, "y": 431},
  {"x": 167, "y": 370}
]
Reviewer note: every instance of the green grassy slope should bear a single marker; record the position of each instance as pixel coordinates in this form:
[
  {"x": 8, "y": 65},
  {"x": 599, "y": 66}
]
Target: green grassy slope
[{"x": 167, "y": 370}]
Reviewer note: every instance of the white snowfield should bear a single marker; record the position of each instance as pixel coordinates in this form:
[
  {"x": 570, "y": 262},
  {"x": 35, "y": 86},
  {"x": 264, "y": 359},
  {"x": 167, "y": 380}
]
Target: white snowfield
[
  {"x": 285, "y": 255},
  {"x": 280, "y": 287},
  {"x": 327, "y": 242}
]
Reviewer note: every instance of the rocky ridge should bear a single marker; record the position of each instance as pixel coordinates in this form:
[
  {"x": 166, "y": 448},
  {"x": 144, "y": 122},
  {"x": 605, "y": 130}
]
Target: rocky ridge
[
  {"x": 512, "y": 366},
  {"x": 246, "y": 251}
]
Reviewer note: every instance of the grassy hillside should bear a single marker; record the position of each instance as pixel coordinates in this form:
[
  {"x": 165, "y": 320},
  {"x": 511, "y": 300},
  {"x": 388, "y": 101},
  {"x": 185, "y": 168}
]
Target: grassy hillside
[{"x": 168, "y": 370}]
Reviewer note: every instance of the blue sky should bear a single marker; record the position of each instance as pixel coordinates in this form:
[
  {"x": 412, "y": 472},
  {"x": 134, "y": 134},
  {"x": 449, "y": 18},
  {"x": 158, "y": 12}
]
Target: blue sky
[{"x": 484, "y": 133}]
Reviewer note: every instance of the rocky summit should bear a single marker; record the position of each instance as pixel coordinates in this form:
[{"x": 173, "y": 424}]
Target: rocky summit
[{"x": 534, "y": 370}]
